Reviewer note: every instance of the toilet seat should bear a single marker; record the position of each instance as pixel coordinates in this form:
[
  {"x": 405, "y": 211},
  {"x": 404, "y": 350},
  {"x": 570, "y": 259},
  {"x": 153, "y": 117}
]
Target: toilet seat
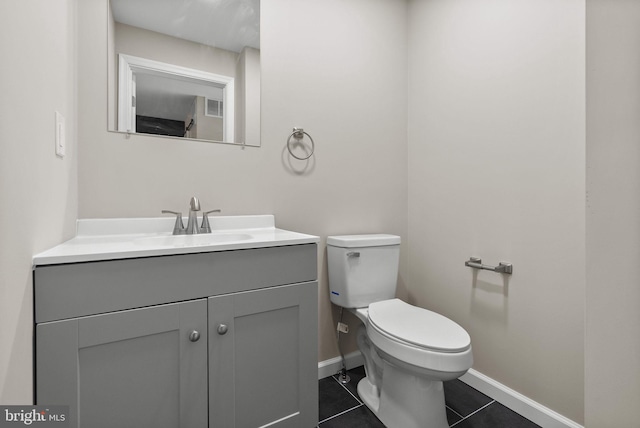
[
  {"x": 418, "y": 327},
  {"x": 427, "y": 348}
]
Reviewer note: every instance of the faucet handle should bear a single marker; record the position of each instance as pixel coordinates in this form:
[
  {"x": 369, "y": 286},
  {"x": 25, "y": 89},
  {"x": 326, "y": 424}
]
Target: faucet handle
[
  {"x": 206, "y": 228},
  {"x": 178, "y": 228},
  {"x": 194, "y": 204}
]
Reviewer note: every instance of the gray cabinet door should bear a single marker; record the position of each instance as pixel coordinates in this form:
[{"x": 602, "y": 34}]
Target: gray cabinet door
[
  {"x": 135, "y": 368},
  {"x": 263, "y": 364}
]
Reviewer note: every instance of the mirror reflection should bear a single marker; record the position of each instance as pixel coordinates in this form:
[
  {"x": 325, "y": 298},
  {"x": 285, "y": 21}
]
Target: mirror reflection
[{"x": 185, "y": 69}]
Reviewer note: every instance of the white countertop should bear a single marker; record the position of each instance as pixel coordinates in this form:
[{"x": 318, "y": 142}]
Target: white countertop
[{"x": 110, "y": 239}]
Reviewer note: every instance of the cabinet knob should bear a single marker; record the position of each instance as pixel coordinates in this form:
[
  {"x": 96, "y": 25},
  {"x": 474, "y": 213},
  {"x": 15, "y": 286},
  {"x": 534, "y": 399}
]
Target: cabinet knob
[
  {"x": 222, "y": 329},
  {"x": 194, "y": 336}
]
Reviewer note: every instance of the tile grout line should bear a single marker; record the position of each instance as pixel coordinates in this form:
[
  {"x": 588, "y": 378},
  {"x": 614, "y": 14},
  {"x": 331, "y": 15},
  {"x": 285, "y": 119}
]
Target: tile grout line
[
  {"x": 461, "y": 417},
  {"x": 471, "y": 414},
  {"x": 343, "y": 385},
  {"x": 339, "y": 414},
  {"x": 360, "y": 404}
]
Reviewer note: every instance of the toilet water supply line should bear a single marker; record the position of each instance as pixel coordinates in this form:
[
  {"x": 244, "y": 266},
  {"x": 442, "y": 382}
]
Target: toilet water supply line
[{"x": 344, "y": 377}]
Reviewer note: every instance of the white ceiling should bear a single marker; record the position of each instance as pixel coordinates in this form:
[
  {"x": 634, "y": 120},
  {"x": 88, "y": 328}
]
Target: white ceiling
[{"x": 225, "y": 24}]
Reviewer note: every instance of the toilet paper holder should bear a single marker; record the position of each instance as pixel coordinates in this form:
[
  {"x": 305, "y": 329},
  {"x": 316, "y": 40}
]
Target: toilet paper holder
[{"x": 476, "y": 263}]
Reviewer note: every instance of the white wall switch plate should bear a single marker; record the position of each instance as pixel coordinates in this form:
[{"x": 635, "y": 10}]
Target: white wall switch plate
[{"x": 61, "y": 142}]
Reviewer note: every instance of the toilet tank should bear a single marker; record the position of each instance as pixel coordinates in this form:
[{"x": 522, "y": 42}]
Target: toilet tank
[{"x": 362, "y": 268}]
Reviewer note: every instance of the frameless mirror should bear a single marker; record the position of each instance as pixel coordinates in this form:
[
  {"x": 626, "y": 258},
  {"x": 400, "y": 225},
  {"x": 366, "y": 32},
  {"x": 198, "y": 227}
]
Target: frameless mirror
[{"x": 187, "y": 69}]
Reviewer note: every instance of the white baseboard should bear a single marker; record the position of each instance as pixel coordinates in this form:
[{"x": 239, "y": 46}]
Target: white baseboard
[
  {"x": 332, "y": 366},
  {"x": 517, "y": 402}
]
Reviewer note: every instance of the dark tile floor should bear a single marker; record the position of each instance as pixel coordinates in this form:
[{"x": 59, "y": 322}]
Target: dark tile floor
[{"x": 341, "y": 407}]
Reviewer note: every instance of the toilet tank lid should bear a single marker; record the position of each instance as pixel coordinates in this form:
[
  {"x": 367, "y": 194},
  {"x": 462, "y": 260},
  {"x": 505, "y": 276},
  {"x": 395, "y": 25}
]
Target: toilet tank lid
[{"x": 370, "y": 240}]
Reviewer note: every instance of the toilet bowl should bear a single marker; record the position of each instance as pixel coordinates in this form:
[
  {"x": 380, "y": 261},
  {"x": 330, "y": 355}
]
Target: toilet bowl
[{"x": 408, "y": 351}]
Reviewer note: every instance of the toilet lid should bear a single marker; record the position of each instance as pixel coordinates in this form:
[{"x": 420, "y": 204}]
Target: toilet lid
[{"x": 417, "y": 326}]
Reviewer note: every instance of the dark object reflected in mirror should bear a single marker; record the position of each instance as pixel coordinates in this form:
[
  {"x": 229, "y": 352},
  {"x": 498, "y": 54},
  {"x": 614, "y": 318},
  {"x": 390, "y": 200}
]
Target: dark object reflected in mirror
[
  {"x": 185, "y": 70},
  {"x": 154, "y": 125}
]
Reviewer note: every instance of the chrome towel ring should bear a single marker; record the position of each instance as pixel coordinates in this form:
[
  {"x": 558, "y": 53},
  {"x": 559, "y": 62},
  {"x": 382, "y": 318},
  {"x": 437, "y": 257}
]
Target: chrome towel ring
[{"x": 298, "y": 134}]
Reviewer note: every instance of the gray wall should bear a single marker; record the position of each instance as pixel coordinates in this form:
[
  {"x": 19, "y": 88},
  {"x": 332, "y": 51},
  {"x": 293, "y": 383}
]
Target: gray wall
[
  {"x": 38, "y": 191},
  {"x": 496, "y": 170},
  {"x": 612, "y": 353}
]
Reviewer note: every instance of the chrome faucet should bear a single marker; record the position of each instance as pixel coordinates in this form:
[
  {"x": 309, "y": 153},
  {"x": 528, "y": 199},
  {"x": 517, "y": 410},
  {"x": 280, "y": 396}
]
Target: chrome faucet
[
  {"x": 192, "y": 224},
  {"x": 178, "y": 227},
  {"x": 206, "y": 227}
]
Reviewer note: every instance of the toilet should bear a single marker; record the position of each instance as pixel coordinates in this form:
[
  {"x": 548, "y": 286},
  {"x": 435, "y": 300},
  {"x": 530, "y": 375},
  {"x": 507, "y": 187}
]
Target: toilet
[{"x": 408, "y": 351}]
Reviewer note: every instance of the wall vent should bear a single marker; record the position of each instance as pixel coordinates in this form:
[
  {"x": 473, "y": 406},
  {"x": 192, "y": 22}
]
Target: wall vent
[{"x": 213, "y": 108}]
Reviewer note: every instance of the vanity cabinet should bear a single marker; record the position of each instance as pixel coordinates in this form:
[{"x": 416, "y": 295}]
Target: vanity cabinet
[
  {"x": 220, "y": 339},
  {"x": 257, "y": 341},
  {"x": 129, "y": 368}
]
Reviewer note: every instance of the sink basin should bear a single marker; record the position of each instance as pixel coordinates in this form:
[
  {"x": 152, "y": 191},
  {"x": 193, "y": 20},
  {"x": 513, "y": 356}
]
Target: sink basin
[
  {"x": 191, "y": 240},
  {"x": 124, "y": 238}
]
